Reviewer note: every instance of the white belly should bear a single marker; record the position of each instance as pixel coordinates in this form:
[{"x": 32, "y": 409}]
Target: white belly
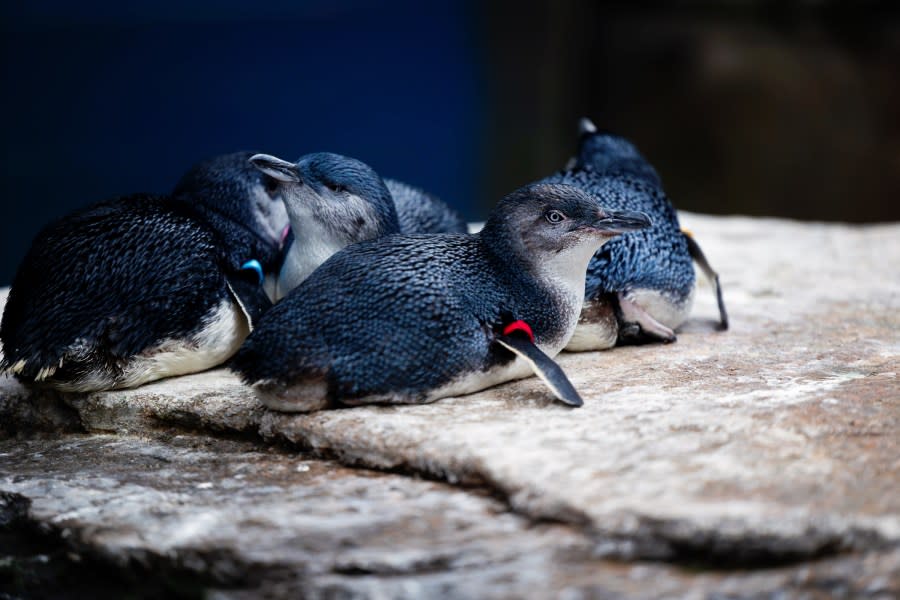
[
  {"x": 462, "y": 385},
  {"x": 475, "y": 382},
  {"x": 662, "y": 307},
  {"x": 224, "y": 330}
]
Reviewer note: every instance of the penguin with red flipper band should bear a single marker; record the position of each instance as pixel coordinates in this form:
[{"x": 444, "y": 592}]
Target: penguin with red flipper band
[{"x": 409, "y": 319}]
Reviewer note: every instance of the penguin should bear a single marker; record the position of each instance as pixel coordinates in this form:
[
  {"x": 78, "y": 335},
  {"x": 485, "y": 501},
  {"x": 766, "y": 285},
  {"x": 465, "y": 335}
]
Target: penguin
[
  {"x": 420, "y": 212},
  {"x": 335, "y": 200},
  {"x": 414, "y": 318},
  {"x": 640, "y": 286},
  {"x": 142, "y": 287}
]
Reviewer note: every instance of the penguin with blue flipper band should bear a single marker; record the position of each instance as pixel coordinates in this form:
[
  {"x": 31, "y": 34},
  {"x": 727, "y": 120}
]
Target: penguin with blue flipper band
[
  {"x": 640, "y": 286},
  {"x": 143, "y": 287},
  {"x": 335, "y": 200},
  {"x": 414, "y": 318},
  {"x": 253, "y": 266}
]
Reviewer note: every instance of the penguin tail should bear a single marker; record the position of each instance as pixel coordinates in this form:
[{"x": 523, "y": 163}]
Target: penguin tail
[
  {"x": 697, "y": 255},
  {"x": 8, "y": 367},
  {"x": 586, "y": 127},
  {"x": 32, "y": 371}
]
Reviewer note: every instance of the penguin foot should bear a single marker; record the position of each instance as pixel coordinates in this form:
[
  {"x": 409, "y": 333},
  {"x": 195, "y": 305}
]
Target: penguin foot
[
  {"x": 637, "y": 326},
  {"x": 632, "y": 334},
  {"x": 305, "y": 397}
]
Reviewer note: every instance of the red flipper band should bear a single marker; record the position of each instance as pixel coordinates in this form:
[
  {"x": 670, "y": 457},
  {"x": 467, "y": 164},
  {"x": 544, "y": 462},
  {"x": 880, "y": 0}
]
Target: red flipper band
[{"x": 519, "y": 326}]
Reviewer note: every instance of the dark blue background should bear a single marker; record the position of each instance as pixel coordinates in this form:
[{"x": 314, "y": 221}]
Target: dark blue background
[
  {"x": 104, "y": 99},
  {"x": 784, "y": 108}
]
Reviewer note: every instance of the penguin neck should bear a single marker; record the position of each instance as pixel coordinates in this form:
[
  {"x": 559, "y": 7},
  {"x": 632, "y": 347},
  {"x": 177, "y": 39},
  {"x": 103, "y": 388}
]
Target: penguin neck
[
  {"x": 386, "y": 213},
  {"x": 242, "y": 243},
  {"x": 312, "y": 246},
  {"x": 323, "y": 228},
  {"x": 562, "y": 277},
  {"x": 562, "y": 274},
  {"x": 565, "y": 271}
]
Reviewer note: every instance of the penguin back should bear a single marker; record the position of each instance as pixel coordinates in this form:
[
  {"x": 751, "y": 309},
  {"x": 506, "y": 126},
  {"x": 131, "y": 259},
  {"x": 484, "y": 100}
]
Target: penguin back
[{"x": 107, "y": 282}]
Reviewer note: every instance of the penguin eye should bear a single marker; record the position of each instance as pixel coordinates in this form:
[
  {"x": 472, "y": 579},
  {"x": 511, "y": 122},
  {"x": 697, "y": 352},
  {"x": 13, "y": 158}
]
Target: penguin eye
[
  {"x": 335, "y": 187},
  {"x": 270, "y": 184},
  {"x": 554, "y": 216}
]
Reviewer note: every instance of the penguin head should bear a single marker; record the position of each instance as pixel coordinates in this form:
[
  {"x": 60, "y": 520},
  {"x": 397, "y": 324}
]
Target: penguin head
[
  {"x": 605, "y": 152},
  {"x": 595, "y": 145},
  {"x": 228, "y": 186},
  {"x": 332, "y": 197},
  {"x": 555, "y": 224}
]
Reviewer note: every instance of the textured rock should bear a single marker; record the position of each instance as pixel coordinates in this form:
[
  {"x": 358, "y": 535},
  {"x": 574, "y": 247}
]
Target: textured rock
[
  {"x": 772, "y": 443},
  {"x": 246, "y": 520},
  {"x": 775, "y": 440},
  {"x": 229, "y": 512}
]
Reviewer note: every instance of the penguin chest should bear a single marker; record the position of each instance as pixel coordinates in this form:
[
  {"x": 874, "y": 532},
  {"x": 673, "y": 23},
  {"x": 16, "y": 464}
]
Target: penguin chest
[
  {"x": 570, "y": 309},
  {"x": 568, "y": 298},
  {"x": 302, "y": 261},
  {"x": 221, "y": 332},
  {"x": 563, "y": 279}
]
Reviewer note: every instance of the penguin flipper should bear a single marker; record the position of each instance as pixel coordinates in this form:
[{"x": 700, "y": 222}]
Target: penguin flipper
[
  {"x": 700, "y": 258},
  {"x": 543, "y": 366},
  {"x": 250, "y": 296}
]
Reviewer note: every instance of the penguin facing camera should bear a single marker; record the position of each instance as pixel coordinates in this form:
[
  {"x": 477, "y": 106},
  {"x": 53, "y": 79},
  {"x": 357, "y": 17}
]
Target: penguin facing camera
[
  {"x": 415, "y": 318},
  {"x": 640, "y": 286},
  {"x": 142, "y": 287},
  {"x": 335, "y": 200}
]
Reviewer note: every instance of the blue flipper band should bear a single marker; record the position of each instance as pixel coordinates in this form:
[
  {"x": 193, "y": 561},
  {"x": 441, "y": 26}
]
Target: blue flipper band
[{"x": 254, "y": 264}]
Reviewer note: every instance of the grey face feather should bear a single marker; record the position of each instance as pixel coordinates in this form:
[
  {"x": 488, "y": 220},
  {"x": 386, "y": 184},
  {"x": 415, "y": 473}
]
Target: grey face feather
[
  {"x": 269, "y": 211},
  {"x": 543, "y": 221},
  {"x": 323, "y": 222},
  {"x": 318, "y": 212},
  {"x": 332, "y": 201}
]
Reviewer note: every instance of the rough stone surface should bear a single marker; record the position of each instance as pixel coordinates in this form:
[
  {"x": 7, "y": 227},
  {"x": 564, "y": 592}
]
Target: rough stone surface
[
  {"x": 774, "y": 443},
  {"x": 244, "y": 520},
  {"x": 230, "y": 512}
]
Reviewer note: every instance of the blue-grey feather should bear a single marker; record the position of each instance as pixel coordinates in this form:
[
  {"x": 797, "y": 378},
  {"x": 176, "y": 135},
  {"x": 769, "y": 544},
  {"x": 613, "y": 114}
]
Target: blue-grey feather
[
  {"x": 611, "y": 169},
  {"x": 120, "y": 276}
]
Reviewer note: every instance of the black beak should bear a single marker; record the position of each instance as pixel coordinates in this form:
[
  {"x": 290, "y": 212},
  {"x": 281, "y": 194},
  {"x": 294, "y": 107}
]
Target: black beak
[{"x": 621, "y": 221}]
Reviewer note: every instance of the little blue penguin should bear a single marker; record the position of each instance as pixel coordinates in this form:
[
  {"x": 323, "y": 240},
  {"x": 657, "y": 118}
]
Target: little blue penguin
[
  {"x": 639, "y": 286},
  {"x": 415, "y": 318},
  {"x": 421, "y": 212},
  {"x": 335, "y": 200},
  {"x": 143, "y": 287}
]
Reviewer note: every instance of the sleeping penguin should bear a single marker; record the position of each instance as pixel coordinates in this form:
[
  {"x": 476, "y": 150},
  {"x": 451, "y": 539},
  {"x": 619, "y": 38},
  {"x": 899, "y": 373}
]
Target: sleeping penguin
[
  {"x": 334, "y": 200},
  {"x": 143, "y": 287}
]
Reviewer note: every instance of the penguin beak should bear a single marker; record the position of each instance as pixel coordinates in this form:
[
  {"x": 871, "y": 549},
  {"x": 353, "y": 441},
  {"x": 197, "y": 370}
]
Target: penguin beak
[
  {"x": 280, "y": 170},
  {"x": 614, "y": 222}
]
